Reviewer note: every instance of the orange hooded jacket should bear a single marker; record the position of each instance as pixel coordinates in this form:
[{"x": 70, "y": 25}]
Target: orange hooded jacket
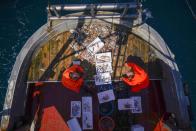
[
  {"x": 140, "y": 79},
  {"x": 69, "y": 83}
]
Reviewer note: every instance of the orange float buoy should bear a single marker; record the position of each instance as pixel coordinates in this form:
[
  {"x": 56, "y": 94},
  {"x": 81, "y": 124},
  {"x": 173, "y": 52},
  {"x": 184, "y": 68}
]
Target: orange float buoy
[{"x": 39, "y": 83}]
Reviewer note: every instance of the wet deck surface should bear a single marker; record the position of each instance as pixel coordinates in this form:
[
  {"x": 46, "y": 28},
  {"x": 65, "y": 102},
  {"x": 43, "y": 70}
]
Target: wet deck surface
[{"x": 55, "y": 99}]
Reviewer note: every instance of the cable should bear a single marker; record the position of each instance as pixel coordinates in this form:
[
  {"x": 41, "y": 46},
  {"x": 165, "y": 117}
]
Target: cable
[{"x": 190, "y": 8}]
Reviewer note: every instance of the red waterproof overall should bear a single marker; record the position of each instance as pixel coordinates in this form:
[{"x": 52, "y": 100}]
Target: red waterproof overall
[
  {"x": 69, "y": 83},
  {"x": 140, "y": 79}
]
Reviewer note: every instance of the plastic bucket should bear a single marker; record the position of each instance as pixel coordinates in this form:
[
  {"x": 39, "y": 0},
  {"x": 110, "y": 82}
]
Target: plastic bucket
[
  {"x": 106, "y": 124},
  {"x": 106, "y": 109}
]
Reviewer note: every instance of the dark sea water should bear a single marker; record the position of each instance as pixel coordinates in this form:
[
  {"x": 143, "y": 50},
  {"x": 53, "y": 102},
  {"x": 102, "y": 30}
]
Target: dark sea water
[{"x": 172, "y": 19}]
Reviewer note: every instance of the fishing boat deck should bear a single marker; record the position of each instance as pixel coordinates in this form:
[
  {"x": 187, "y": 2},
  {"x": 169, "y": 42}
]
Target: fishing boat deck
[
  {"x": 37, "y": 100},
  {"x": 56, "y": 98},
  {"x": 56, "y": 55}
]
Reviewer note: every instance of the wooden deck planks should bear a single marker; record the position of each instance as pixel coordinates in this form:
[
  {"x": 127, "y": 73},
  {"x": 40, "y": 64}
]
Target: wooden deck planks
[{"x": 134, "y": 46}]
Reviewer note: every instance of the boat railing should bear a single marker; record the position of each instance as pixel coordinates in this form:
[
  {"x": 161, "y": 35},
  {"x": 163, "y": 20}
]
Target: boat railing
[
  {"x": 56, "y": 12},
  {"x": 2, "y": 97},
  {"x": 57, "y": 81}
]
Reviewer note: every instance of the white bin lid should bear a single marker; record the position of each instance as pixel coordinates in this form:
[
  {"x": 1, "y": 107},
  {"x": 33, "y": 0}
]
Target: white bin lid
[{"x": 137, "y": 127}]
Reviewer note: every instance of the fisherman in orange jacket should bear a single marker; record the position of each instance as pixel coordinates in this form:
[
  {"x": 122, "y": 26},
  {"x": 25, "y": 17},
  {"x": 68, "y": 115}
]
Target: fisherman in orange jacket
[
  {"x": 136, "y": 77},
  {"x": 73, "y": 78}
]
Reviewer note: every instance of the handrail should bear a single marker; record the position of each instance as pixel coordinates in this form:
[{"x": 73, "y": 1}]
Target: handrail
[
  {"x": 56, "y": 81},
  {"x": 55, "y": 12},
  {"x": 92, "y": 17},
  {"x": 108, "y": 6}
]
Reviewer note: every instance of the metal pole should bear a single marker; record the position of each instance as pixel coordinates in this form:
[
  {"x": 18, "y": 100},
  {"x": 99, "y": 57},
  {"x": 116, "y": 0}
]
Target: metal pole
[
  {"x": 92, "y": 17},
  {"x": 78, "y": 7}
]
